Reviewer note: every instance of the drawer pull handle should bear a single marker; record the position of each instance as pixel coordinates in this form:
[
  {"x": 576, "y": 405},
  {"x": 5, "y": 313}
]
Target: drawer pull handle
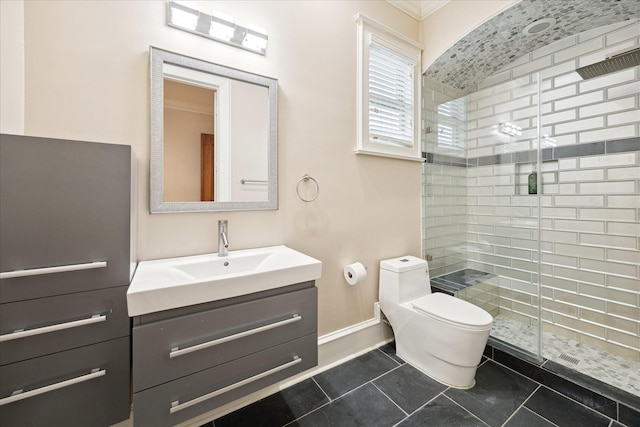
[
  {"x": 49, "y": 270},
  {"x": 177, "y": 406},
  {"x": 20, "y": 395},
  {"x": 176, "y": 351},
  {"x": 52, "y": 328}
]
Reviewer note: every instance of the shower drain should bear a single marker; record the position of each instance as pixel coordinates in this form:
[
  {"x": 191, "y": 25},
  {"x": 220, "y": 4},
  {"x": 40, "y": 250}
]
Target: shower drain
[{"x": 569, "y": 359}]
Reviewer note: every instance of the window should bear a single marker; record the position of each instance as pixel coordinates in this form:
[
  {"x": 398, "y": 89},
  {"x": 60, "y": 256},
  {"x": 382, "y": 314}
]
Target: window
[
  {"x": 452, "y": 124},
  {"x": 388, "y": 92}
]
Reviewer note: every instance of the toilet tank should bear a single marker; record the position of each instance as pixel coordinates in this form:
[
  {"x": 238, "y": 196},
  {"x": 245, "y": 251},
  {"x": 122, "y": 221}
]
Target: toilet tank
[{"x": 404, "y": 278}]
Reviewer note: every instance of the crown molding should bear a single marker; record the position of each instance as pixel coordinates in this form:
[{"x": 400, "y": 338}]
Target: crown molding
[{"x": 418, "y": 9}]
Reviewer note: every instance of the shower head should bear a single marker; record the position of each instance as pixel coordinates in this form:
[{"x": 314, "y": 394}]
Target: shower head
[{"x": 618, "y": 61}]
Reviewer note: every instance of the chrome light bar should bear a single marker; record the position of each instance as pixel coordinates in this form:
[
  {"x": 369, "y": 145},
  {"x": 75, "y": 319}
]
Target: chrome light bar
[{"x": 183, "y": 16}]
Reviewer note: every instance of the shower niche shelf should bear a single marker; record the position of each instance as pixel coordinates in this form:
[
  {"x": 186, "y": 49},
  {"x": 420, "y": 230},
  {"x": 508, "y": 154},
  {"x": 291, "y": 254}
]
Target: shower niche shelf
[{"x": 521, "y": 176}]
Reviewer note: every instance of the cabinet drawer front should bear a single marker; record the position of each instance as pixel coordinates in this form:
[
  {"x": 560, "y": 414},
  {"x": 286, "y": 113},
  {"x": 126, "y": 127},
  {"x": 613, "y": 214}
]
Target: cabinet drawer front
[
  {"x": 64, "y": 203},
  {"x": 177, "y": 347},
  {"x": 88, "y": 386},
  {"x": 47, "y": 325},
  {"x": 61, "y": 279},
  {"x": 182, "y": 399}
]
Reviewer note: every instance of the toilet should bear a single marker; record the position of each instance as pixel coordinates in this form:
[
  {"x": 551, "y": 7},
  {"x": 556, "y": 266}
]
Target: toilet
[{"x": 441, "y": 335}]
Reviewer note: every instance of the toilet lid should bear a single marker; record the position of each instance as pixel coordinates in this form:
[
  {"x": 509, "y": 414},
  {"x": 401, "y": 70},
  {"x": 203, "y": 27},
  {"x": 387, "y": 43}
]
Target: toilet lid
[{"x": 452, "y": 310}]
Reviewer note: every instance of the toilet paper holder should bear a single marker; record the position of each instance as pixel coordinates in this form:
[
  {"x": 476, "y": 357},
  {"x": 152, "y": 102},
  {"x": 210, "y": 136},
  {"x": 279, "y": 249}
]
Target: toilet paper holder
[{"x": 355, "y": 273}]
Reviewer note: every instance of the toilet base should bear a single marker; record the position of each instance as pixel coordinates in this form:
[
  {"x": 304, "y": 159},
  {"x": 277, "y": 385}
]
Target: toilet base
[{"x": 461, "y": 377}]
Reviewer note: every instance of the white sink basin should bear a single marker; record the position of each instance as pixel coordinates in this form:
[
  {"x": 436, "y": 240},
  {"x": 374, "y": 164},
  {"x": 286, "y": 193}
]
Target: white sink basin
[{"x": 178, "y": 282}]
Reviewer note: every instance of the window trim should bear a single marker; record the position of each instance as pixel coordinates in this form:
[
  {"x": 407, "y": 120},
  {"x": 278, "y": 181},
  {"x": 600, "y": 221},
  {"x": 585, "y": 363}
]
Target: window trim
[{"x": 368, "y": 31}]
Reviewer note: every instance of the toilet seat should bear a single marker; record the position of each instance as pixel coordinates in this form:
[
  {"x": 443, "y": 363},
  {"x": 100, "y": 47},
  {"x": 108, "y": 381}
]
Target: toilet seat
[{"x": 452, "y": 310}]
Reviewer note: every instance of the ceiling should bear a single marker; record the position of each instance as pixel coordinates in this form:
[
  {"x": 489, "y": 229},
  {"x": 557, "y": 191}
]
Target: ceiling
[{"x": 500, "y": 40}]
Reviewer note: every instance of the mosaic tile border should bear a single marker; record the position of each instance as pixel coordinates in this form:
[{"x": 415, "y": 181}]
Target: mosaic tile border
[{"x": 570, "y": 151}]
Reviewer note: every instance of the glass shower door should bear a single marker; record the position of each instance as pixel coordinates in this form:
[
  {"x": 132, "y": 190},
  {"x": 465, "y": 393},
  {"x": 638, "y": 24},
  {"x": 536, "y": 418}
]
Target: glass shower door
[{"x": 481, "y": 205}]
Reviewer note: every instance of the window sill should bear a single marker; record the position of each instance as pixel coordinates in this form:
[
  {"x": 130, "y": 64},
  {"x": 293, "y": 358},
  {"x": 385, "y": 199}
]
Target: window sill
[{"x": 394, "y": 156}]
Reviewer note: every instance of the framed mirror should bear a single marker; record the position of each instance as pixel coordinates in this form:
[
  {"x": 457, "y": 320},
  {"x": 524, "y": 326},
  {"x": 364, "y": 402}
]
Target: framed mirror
[{"x": 214, "y": 137}]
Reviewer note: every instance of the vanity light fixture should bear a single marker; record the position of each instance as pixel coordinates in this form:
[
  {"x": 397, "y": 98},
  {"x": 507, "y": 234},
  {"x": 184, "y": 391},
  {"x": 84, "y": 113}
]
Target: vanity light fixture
[
  {"x": 255, "y": 39},
  {"x": 222, "y": 28},
  {"x": 181, "y": 15},
  {"x": 185, "y": 16},
  {"x": 510, "y": 129}
]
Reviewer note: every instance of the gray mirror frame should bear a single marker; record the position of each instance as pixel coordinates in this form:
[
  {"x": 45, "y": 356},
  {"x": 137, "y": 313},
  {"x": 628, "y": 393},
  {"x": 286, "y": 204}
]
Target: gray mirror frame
[{"x": 158, "y": 58}]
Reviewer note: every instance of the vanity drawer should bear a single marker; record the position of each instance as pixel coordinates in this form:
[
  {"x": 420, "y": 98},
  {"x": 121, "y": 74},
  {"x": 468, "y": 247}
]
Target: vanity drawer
[
  {"x": 180, "y": 400},
  {"x": 60, "y": 323},
  {"x": 91, "y": 275},
  {"x": 61, "y": 390},
  {"x": 174, "y": 348}
]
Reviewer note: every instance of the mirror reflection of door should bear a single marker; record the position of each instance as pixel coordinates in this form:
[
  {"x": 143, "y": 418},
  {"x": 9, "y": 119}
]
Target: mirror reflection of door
[
  {"x": 188, "y": 114},
  {"x": 207, "y": 167}
]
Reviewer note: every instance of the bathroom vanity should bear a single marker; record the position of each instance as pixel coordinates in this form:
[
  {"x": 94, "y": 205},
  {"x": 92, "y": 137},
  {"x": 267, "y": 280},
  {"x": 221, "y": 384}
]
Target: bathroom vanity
[
  {"x": 208, "y": 330},
  {"x": 65, "y": 267}
]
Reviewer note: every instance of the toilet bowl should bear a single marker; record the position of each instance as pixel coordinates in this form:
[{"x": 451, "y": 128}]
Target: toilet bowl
[{"x": 439, "y": 334}]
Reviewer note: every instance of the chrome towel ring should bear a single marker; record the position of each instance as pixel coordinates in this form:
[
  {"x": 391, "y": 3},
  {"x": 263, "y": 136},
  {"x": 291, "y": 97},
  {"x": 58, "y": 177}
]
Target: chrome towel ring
[{"x": 306, "y": 178}]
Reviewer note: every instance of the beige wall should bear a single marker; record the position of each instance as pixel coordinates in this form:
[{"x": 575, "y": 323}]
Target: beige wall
[
  {"x": 87, "y": 78},
  {"x": 12, "y": 67}
]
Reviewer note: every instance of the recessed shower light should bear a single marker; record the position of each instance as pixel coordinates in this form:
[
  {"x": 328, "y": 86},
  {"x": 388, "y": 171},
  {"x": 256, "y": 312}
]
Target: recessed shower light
[{"x": 538, "y": 26}]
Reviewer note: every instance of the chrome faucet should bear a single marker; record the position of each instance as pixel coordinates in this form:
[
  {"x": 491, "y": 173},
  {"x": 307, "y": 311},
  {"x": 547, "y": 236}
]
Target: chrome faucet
[{"x": 223, "y": 241}]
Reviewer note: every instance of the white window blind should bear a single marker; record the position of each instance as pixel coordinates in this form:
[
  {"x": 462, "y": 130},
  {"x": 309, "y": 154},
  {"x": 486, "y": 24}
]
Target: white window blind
[
  {"x": 452, "y": 124},
  {"x": 391, "y": 92}
]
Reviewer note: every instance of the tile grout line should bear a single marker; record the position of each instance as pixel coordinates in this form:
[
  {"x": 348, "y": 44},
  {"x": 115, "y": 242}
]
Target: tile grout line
[
  {"x": 467, "y": 410},
  {"x": 428, "y": 402},
  {"x": 354, "y": 389},
  {"x": 338, "y": 398},
  {"x": 389, "y": 356},
  {"x": 617, "y": 403},
  {"x": 522, "y": 405},
  {"x": 392, "y": 401},
  {"x": 320, "y": 387},
  {"x": 313, "y": 410},
  {"x": 582, "y": 404}
]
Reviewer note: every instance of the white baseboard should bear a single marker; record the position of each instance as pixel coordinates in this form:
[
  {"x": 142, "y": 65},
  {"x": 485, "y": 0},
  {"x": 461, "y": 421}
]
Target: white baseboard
[
  {"x": 336, "y": 335},
  {"x": 334, "y": 349}
]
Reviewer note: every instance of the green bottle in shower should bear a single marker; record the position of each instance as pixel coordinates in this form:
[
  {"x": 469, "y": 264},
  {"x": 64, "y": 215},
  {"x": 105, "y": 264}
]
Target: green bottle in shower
[{"x": 533, "y": 182}]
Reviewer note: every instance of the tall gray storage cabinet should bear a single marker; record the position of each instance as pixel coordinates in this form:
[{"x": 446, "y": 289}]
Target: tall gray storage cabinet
[{"x": 66, "y": 210}]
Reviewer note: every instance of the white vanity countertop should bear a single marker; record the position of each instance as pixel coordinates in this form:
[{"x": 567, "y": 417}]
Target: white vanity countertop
[{"x": 164, "y": 284}]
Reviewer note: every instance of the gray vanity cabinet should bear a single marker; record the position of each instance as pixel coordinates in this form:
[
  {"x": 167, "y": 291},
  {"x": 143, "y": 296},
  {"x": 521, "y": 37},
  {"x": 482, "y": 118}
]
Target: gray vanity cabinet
[
  {"x": 65, "y": 266},
  {"x": 192, "y": 360}
]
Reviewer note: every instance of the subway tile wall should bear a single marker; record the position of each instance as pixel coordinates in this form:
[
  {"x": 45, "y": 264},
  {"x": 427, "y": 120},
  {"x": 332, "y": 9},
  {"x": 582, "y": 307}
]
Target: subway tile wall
[{"x": 590, "y": 186}]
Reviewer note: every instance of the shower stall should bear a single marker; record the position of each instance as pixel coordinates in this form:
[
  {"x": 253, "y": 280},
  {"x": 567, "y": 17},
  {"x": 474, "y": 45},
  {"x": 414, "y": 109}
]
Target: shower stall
[{"x": 531, "y": 198}]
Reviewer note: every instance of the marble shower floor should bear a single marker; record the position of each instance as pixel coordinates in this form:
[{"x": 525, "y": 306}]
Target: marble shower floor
[{"x": 613, "y": 370}]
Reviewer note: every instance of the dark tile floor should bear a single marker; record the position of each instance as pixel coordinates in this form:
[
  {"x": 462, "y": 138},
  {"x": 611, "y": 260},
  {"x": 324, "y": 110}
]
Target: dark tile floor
[{"x": 379, "y": 389}]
